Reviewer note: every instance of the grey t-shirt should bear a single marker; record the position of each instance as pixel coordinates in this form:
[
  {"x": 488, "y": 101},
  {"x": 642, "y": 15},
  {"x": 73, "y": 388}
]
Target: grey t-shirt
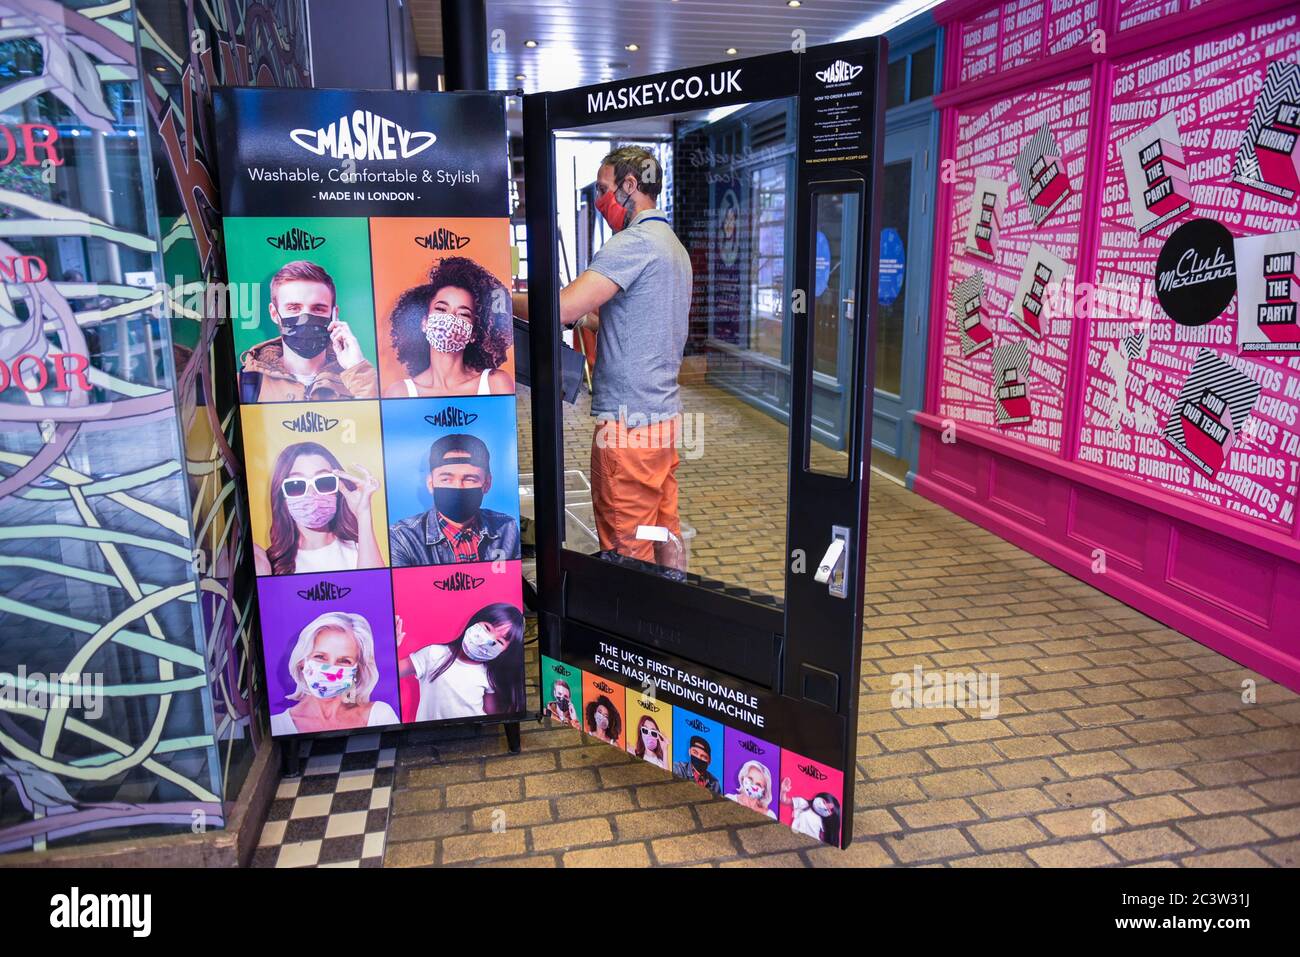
[{"x": 643, "y": 327}]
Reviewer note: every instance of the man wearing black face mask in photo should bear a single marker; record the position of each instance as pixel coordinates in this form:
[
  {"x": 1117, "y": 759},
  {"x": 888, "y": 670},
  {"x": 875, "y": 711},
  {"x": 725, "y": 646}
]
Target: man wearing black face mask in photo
[
  {"x": 561, "y": 704},
  {"x": 696, "y": 767},
  {"x": 316, "y": 356},
  {"x": 457, "y": 528}
]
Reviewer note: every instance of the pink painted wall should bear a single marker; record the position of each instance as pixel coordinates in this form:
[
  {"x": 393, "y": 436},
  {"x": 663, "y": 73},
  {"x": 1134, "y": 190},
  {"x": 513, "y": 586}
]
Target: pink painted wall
[
  {"x": 989, "y": 137},
  {"x": 1018, "y": 32},
  {"x": 1106, "y": 460},
  {"x": 1208, "y": 90}
]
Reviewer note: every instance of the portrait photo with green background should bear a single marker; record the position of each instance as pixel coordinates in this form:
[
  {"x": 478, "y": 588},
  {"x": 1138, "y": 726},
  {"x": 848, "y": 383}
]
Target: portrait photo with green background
[{"x": 257, "y": 247}]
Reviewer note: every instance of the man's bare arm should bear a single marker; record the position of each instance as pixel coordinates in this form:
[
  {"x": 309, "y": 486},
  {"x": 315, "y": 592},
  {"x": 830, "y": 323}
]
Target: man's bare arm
[{"x": 585, "y": 294}]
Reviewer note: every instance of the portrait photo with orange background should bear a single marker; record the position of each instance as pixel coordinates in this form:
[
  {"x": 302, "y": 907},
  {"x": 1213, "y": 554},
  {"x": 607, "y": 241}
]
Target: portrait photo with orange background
[{"x": 403, "y": 250}]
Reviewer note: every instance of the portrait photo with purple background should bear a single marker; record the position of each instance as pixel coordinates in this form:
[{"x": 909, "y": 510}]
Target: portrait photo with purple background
[
  {"x": 290, "y": 603},
  {"x": 740, "y": 749}
]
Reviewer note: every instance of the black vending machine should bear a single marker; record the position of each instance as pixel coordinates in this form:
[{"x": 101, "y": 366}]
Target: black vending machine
[{"x": 720, "y": 640}]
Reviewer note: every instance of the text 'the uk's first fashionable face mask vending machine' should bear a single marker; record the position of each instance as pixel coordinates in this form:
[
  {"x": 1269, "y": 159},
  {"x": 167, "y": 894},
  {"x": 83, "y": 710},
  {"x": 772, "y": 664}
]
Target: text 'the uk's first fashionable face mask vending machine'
[{"x": 701, "y": 536}]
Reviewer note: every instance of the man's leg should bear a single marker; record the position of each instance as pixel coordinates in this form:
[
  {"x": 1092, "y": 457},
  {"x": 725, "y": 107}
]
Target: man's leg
[
  {"x": 669, "y": 554},
  {"x": 626, "y": 478},
  {"x": 604, "y": 469}
]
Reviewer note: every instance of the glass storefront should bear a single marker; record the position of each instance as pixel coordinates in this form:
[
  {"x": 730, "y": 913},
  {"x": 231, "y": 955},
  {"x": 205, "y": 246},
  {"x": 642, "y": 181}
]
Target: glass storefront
[{"x": 106, "y": 724}]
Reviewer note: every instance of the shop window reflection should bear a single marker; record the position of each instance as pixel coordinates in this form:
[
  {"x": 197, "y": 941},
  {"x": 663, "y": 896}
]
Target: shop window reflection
[
  {"x": 767, "y": 277},
  {"x": 728, "y": 182},
  {"x": 105, "y": 285},
  {"x": 96, "y": 510}
]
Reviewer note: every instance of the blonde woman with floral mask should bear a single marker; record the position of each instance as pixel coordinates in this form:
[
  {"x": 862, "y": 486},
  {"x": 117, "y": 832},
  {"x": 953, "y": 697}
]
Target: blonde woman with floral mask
[
  {"x": 334, "y": 672},
  {"x": 754, "y": 788}
]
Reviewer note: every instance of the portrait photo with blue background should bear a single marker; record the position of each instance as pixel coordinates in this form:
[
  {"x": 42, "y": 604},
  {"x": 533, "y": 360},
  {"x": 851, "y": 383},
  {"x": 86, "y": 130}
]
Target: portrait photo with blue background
[
  {"x": 702, "y": 764},
  {"x": 413, "y": 425}
]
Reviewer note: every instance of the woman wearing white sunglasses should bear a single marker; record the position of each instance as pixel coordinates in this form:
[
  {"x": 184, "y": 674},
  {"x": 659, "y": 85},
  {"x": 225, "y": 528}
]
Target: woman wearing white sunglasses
[
  {"x": 651, "y": 744},
  {"x": 320, "y": 515}
]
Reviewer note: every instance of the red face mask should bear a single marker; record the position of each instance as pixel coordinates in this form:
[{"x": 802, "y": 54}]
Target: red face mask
[{"x": 615, "y": 213}]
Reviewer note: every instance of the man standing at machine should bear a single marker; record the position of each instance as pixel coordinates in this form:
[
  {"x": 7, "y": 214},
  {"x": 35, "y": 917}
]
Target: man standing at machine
[{"x": 640, "y": 283}]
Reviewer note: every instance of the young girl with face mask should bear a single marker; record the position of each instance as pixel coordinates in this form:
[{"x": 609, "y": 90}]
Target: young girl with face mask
[
  {"x": 320, "y": 515},
  {"x": 452, "y": 333},
  {"x": 333, "y": 670},
  {"x": 754, "y": 788},
  {"x": 819, "y": 818},
  {"x": 481, "y": 672}
]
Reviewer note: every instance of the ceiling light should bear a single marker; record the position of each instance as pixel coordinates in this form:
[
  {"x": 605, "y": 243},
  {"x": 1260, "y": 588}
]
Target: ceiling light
[
  {"x": 793, "y": 3},
  {"x": 520, "y": 76},
  {"x": 722, "y": 111},
  {"x": 631, "y": 47},
  {"x": 887, "y": 19},
  {"x": 732, "y": 51},
  {"x": 530, "y": 43}
]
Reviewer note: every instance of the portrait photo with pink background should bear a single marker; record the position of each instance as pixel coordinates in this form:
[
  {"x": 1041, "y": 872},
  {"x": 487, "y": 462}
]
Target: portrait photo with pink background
[{"x": 436, "y": 602}]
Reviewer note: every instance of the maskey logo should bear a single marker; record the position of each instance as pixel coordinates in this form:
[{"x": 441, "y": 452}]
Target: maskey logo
[
  {"x": 442, "y": 238},
  {"x": 310, "y": 422},
  {"x": 459, "y": 581},
  {"x": 841, "y": 71},
  {"x": 451, "y": 417},
  {"x": 324, "y": 590},
  {"x": 295, "y": 240},
  {"x": 364, "y": 136},
  {"x": 75, "y": 909}
]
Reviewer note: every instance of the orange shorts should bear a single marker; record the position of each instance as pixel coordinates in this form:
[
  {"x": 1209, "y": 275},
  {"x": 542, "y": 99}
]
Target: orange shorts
[{"x": 634, "y": 482}]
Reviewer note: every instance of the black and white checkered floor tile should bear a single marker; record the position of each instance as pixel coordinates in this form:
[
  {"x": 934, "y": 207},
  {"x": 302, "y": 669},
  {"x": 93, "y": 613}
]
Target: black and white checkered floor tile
[{"x": 336, "y": 813}]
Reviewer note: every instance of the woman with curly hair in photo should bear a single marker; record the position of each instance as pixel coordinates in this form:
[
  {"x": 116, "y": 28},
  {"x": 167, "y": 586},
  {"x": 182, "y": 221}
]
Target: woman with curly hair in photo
[
  {"x": 603, "y": 720},
  {"x": 452, "y": 333}
]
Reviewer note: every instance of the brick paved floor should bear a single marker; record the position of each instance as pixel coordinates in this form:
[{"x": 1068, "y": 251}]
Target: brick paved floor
[
  {"x": 1119, "y": 741},
  {"x": 731, "y": 481}
]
